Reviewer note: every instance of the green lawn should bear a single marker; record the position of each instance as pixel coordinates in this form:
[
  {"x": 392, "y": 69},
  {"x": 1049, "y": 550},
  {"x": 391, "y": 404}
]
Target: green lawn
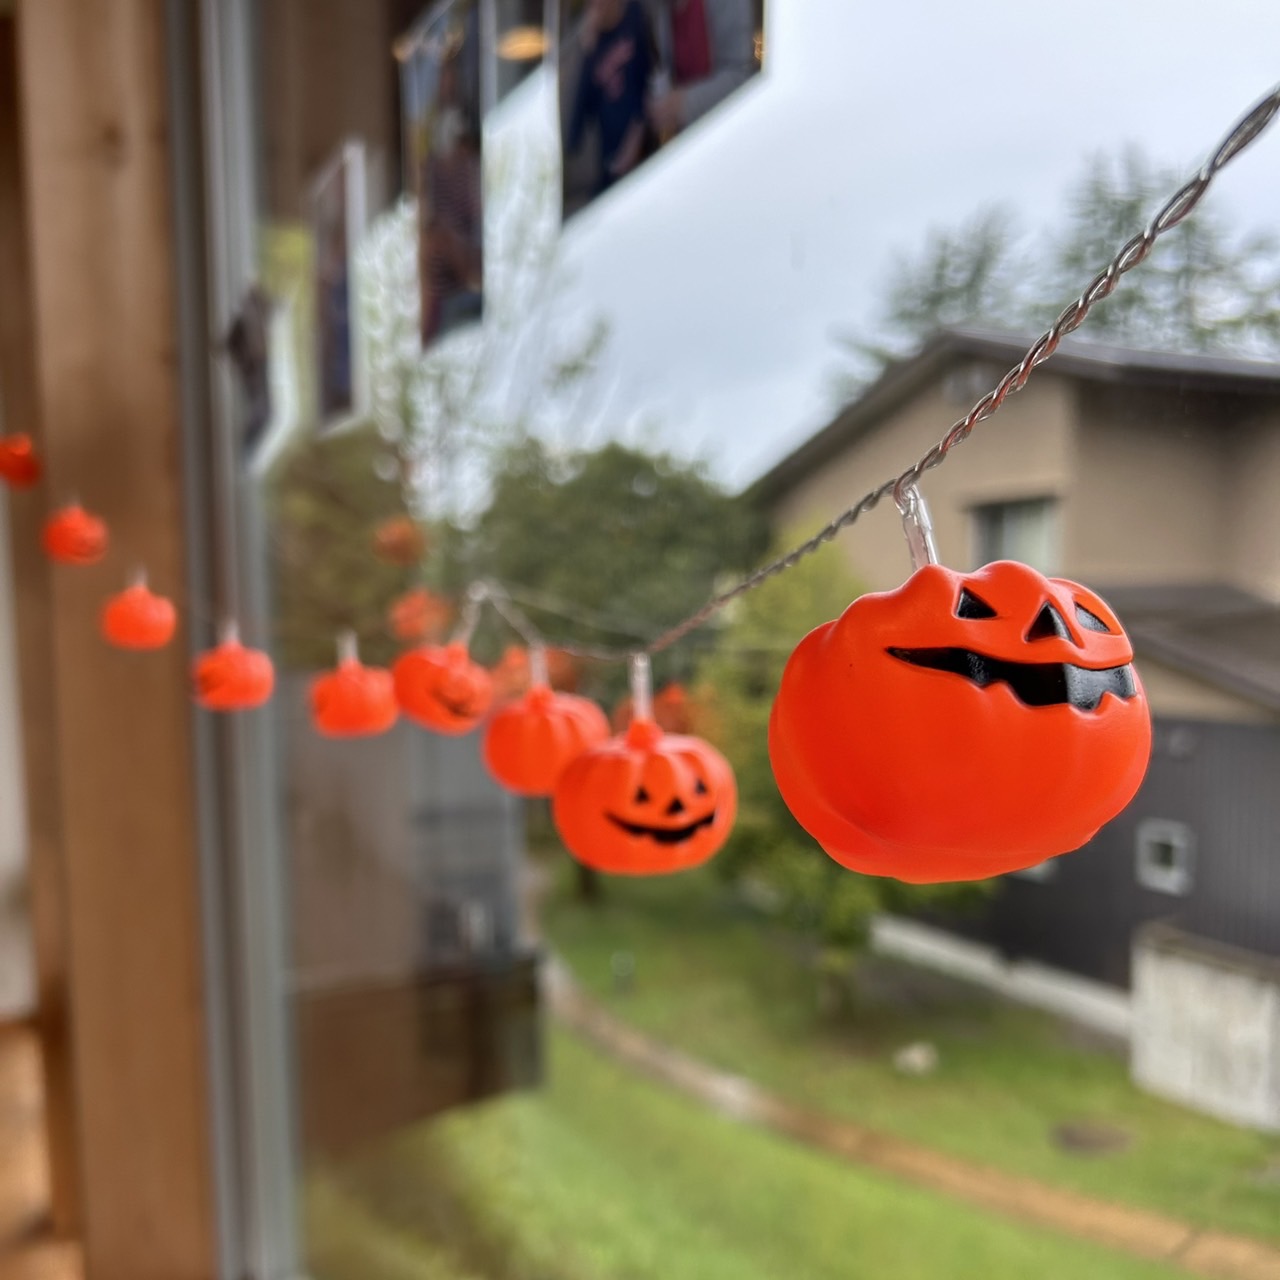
[
  {"x": 713, "y": 979},
  {"x": 603, "y": 1176}
]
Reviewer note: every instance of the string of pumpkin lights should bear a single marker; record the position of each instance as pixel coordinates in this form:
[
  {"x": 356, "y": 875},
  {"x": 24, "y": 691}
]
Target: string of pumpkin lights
[{"x": 1019, "y": 668}]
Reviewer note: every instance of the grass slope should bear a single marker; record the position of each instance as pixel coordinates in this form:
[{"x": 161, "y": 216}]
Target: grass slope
[
  {"x": 602, "y": 1176},
  {"x": 710, "y": 978}
]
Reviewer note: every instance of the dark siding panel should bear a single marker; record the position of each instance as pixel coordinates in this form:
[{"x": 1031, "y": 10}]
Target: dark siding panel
[{"x": 1223, "y": 781}]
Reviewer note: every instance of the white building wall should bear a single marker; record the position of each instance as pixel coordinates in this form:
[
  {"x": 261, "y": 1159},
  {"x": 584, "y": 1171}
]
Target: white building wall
[{"x": 1206, "y": 1027}]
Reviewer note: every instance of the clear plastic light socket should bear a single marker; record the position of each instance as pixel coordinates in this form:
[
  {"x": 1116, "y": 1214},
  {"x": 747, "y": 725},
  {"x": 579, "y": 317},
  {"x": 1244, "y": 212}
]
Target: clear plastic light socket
[
  {"x": 538, "y": 676},
  {"x": 917, "y": 526},
  {"x": 641, "y": 687}
]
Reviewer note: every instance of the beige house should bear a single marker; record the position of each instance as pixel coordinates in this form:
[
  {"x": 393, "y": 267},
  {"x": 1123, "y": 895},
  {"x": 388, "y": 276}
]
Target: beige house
[
  {"x": 1152, "y": 478},
  {"x": 1155, "y": 480}
]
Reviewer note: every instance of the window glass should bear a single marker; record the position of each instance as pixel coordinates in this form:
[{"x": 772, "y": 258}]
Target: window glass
[
  {"x": 577, "y": 313},
  {"x": 1024, "y": 530}
]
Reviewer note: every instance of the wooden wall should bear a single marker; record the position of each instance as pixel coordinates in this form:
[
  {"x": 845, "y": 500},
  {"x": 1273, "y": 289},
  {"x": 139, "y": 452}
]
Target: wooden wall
[
  {"x": 114, "y": 729},
  {"x": 32, "y": 609}
]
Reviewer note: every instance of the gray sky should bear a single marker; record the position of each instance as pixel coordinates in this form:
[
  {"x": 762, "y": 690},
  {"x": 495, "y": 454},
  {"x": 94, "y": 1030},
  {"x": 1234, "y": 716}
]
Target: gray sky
[{"x": 728, "y": 264}]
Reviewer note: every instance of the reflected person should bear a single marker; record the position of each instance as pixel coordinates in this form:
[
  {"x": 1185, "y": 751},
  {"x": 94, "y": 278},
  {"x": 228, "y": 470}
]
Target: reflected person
[{"x": 707, "y": 49}]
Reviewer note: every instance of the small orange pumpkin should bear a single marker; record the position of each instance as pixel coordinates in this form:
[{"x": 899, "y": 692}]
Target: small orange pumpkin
[
  {"x": 232, "y": 677},
  {"x": 138, "y": 619},
  {"x": 531, "y": 742},
  {"x": 646, "y": 803},
  {"x": 512, "y": 674},
  {"x": 353, "y": 701},
  {"x": 962, "y": 726},
  {"x": 562, "y": 670},
  {"x": 73, "y": 536},
  {"x": 19, "y": 462},
  {"x": 441, "y": 688},
  {"x": 419, "y": 616},
  {"x": 673, "y": 710},
  {"x": 399, "y": 540}
]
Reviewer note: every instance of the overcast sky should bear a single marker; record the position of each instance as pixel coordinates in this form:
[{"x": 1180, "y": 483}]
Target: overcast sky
[{"x": 726, "y": 266}]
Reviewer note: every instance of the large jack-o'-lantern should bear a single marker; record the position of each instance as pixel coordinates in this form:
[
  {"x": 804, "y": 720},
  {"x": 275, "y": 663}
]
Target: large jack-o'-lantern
[{"x": 962, "y": 726}]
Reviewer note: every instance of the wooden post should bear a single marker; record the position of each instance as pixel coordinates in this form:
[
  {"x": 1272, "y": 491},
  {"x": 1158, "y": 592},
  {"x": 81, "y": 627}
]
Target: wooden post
[
  {"x": 98, "y": 171},
  {"x": 32, "y": 604}
]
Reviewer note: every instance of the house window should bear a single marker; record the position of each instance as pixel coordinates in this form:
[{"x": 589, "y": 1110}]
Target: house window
[
  {"x": 1025, "y": 530},
  {"x": 1166, "y": 855}
]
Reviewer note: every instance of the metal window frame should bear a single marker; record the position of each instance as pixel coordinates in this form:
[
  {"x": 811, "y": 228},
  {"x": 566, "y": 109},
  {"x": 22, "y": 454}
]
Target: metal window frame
[{"x": 1177, "y": 880}]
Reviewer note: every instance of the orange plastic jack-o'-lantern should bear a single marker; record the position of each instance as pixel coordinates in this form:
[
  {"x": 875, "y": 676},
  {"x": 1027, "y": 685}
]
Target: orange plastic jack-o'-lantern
[
  {"x": 73, "y": 536},
  {"x": 137, "y": 619},
  {"x": 531, "y": 742},
  {"x": 962, "y": 726},
  {"x": 19, "y": 462},
  {"x": 352, "y": 700},
  {"x": 646, "y": 803},
  {"x": 512, "y": 674},
  {"x": 419, "y": 615},
  {"x": 441, "y": 688},
  {"x": 232, "y": 677},
  {"x": 399, "y": 540}
]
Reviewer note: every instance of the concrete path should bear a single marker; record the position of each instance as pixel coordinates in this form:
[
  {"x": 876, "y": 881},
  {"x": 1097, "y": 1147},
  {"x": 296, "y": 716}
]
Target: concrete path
[{"x": 1135, "y": 1231}]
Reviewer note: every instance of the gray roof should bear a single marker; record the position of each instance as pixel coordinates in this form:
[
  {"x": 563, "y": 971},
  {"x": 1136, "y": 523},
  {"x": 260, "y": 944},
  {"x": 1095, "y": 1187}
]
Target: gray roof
[
  {"x": 1076, "y": 357},
  {"x": 1217, "y": 633}
]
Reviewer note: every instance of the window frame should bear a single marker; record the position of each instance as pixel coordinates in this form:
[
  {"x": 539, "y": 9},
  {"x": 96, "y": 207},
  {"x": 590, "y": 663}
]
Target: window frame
[{"x": 1177, "y": 880}]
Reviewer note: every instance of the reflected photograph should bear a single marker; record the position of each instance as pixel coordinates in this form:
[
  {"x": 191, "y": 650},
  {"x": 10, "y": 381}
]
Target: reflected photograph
[
  {"x": 636, "y": 73},
  {"x": 441, "y": 103}
]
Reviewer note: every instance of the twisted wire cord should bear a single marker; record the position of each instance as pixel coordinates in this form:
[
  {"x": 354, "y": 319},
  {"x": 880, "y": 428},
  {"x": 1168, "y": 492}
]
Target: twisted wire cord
[{"x": 1246, "y": 130}]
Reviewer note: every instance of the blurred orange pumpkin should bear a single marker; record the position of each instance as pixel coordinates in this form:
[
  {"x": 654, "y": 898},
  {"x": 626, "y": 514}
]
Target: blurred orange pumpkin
[
  {"x": 138, "y": 619},
  {"x": 673, "y": 711},
  {"x": 440, "y": 687},
  {"x": 353, "y": 701},
  {"x": 510, "y": 674},
  {"x": 399, "y": 540},
  {"x": 19, "y": 462},
  {"x": 531, "y": 742},
  {"x": 419, "y": 615},
  {"x": 232, "y": 677},
  {"x": 73, "y": 536}
]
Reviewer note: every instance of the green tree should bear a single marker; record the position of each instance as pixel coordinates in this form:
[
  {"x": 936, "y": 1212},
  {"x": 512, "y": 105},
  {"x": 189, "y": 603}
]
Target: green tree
[
  {"x": 1203, "y": 288},
  {"x": 328, "y": 496},
  {"x": 769, "y": 853},
  {"x": 608, "y": 545},
  {"x": 970, "y": 274}
]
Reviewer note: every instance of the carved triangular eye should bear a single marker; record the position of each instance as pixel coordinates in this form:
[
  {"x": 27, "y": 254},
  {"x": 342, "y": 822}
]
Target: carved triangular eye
[
  {"x": 1091, "y": 621},
  {"x": 972, "y": 606},
  {"x": 1049, "y": 622},
  {"x": 642, "y": 796},
  {"x": 699, "y": 787}
]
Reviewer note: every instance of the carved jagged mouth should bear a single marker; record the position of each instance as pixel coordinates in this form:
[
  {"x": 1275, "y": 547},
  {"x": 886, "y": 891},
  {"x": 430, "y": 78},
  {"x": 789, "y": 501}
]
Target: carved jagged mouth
[
  {"x": 664, "y": 835},
  {"x": 1038, "y": 684}
]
